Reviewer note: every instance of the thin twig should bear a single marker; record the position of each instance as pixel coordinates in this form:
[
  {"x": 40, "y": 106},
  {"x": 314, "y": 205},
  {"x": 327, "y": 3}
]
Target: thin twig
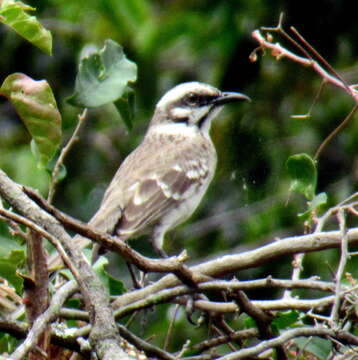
[
  {"x": 333, "y": 77},
  {"x": 104, "y": 336},
  {"x": 342, "y": 264},
  {"x": 279, "y": 29},
  {"x": 171, "y": 327},
  {"x": 313, "y": 104},
  {"x": 334, "y": 133},
  {"x": 42, "y": 321},
  {"x": 220, "y": 333},
  {"x": 149, "y": 349},
  {"x": 220, "y": 340},
  {"x": 64, "y": 152},
  {"x": 319, "y": 56},
  {"x": 262, "y": 319},
  {"x": 173, "y": 264},
  {"x": 288, "y": 335},
  {"x": 31, "y": 225},
  {"x": 232, "y": 263}
]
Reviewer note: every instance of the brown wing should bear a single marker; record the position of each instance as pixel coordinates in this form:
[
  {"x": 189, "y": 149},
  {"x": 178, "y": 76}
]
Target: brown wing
[
  {"x": 150, "y": 181},
  {"x": 154, "y": 198}
]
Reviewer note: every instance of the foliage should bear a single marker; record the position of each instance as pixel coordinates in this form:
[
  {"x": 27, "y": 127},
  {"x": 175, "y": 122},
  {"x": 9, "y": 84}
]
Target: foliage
[
  {"x": 266, "y": 158},
  {"x": 36, "y": 105},
  {"x": 13, "y": 14}
]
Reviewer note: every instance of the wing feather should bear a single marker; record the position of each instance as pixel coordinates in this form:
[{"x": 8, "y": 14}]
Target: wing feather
[{"x": 146, "y": 187}]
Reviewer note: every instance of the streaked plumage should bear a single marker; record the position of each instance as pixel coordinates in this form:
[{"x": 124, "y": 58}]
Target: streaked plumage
[{"x": 160, "y": 184}]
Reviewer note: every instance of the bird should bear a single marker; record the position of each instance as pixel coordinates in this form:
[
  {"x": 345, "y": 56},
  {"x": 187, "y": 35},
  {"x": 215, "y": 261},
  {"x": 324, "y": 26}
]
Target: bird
[{"x": 160, "y": 184}]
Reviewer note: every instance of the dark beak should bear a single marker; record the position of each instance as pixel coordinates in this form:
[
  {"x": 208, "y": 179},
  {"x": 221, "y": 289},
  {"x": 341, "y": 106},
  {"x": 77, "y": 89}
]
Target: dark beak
[{"x": 229, "y": 97}]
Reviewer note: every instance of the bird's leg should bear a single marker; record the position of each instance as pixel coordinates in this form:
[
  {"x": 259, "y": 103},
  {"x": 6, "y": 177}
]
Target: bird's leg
[
  {"x": 137, "y": 284},
  {"x": 190, "y": 307},
  {"x": 96, "y": 250},
  {"x": 157, "y": 242},
  {"x": 161, "y": 253}
]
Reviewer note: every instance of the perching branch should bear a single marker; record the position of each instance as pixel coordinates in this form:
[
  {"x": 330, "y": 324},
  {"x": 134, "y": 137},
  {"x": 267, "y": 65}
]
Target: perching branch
[
  {"x": 174, "y": 264},
  {"x": 104, "y": 335},
  {"x": 231, "y": 263},
  {"x": 342, "y": 336},
  {"x": 43, "y": 321}
]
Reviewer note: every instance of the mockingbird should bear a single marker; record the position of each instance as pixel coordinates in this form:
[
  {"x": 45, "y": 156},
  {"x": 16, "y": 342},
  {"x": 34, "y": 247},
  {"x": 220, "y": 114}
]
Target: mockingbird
[{"x": 160, "y": 184}]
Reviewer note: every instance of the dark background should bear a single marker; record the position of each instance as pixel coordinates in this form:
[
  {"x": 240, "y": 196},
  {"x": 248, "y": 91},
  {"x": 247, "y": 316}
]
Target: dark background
[{"x": 248, "y": 203}]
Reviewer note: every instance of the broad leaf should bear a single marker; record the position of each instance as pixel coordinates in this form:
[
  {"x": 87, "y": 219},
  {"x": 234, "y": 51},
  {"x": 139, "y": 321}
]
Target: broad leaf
[
  {"x": 8, "y": 268},
  {"x": 313, "y": 205},
  {"x": 36, "y": 105},
  {"x": 13, "y": 14},
  {"x": 114, "y": 286},
  {"x": 103, "y": 76},
  {"x": 321, "y": 348},
  {"x": 285, "y": 319},
  {"x": 303, "y": 172},
  {"x": 125, "y": 106}
]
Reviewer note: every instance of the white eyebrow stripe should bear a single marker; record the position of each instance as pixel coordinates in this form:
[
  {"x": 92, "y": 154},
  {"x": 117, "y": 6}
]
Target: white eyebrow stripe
[
  {"x": 175, "y": 129},
  {"x": 180, "y": 112}
]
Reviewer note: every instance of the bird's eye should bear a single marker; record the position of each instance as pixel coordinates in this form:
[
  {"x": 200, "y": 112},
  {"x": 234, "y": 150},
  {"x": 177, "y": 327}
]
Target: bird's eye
[{"x": 192, "y": 99}]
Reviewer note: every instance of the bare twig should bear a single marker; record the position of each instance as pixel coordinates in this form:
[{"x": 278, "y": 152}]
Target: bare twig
[
  {"x": 63, "y": 154},
  {"x": 320, "y": 223},
  {"x": 318, "y": 56},
  {"x": 104, "y": 335},
  {"x": 174, "y": 264},
  {"x": 280, "y": 30},
  {"x": 218, "y": 285},
  {"x": 313, "y": 104},
  {"x": 262, "y": 319},
  {"x": 342, "y": 264},
  {"x": 219, "y": 332},
  {"x": 266, "y": 305},
  {"x": 36, "y": 290},
  {"x": 231, "y": 263},
  {"x": 31, "y": 225},
  {"x": 42, "y": 321},
  {"x": 171, "y": 327},
  {"x": 340, "y": 127},
  {"x": 288, "y": 335},
  {"x": 331, "y": 77},
  {"x": 278, "y": 51},
  {"x": 220, "y": 340},
  {"x": 149, "y": 349}
]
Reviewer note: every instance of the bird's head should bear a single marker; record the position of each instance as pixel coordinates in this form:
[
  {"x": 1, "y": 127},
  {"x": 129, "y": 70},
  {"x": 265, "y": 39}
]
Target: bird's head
[{"x": 192, "y": 104}]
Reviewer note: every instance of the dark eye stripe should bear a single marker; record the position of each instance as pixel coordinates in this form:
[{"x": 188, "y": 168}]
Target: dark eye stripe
[
  {"x": 198, "y": 100},
  {"x": 182, "y": 120}
]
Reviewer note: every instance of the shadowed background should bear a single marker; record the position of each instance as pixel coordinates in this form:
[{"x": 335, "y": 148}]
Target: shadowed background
[{"x": 248, "y": 203}]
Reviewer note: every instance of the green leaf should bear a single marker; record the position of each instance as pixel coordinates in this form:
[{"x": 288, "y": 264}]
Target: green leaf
[
  {"x": 103, "y": 77},
  {"x": 13, "y": 14},
  {"x": 61, "y": 174},
  {"x": 125, "y": 106},
  {"x": 313, "y": 205},
  {"x": 320, "y": 348},
  {"x": 36, "y": 105},
  {"x": 114, "y": 286},
  {"x": 285, "y": 319},
  {"x": 249, "y": 322},
  {"x": 8, "y": 268},
  {"x": 303, "y": 172}
]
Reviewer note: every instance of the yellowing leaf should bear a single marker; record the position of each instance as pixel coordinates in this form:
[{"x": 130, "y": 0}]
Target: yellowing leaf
[
  {"x": 13, "y": 14},
  {"x": 36, "y": 105}
]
